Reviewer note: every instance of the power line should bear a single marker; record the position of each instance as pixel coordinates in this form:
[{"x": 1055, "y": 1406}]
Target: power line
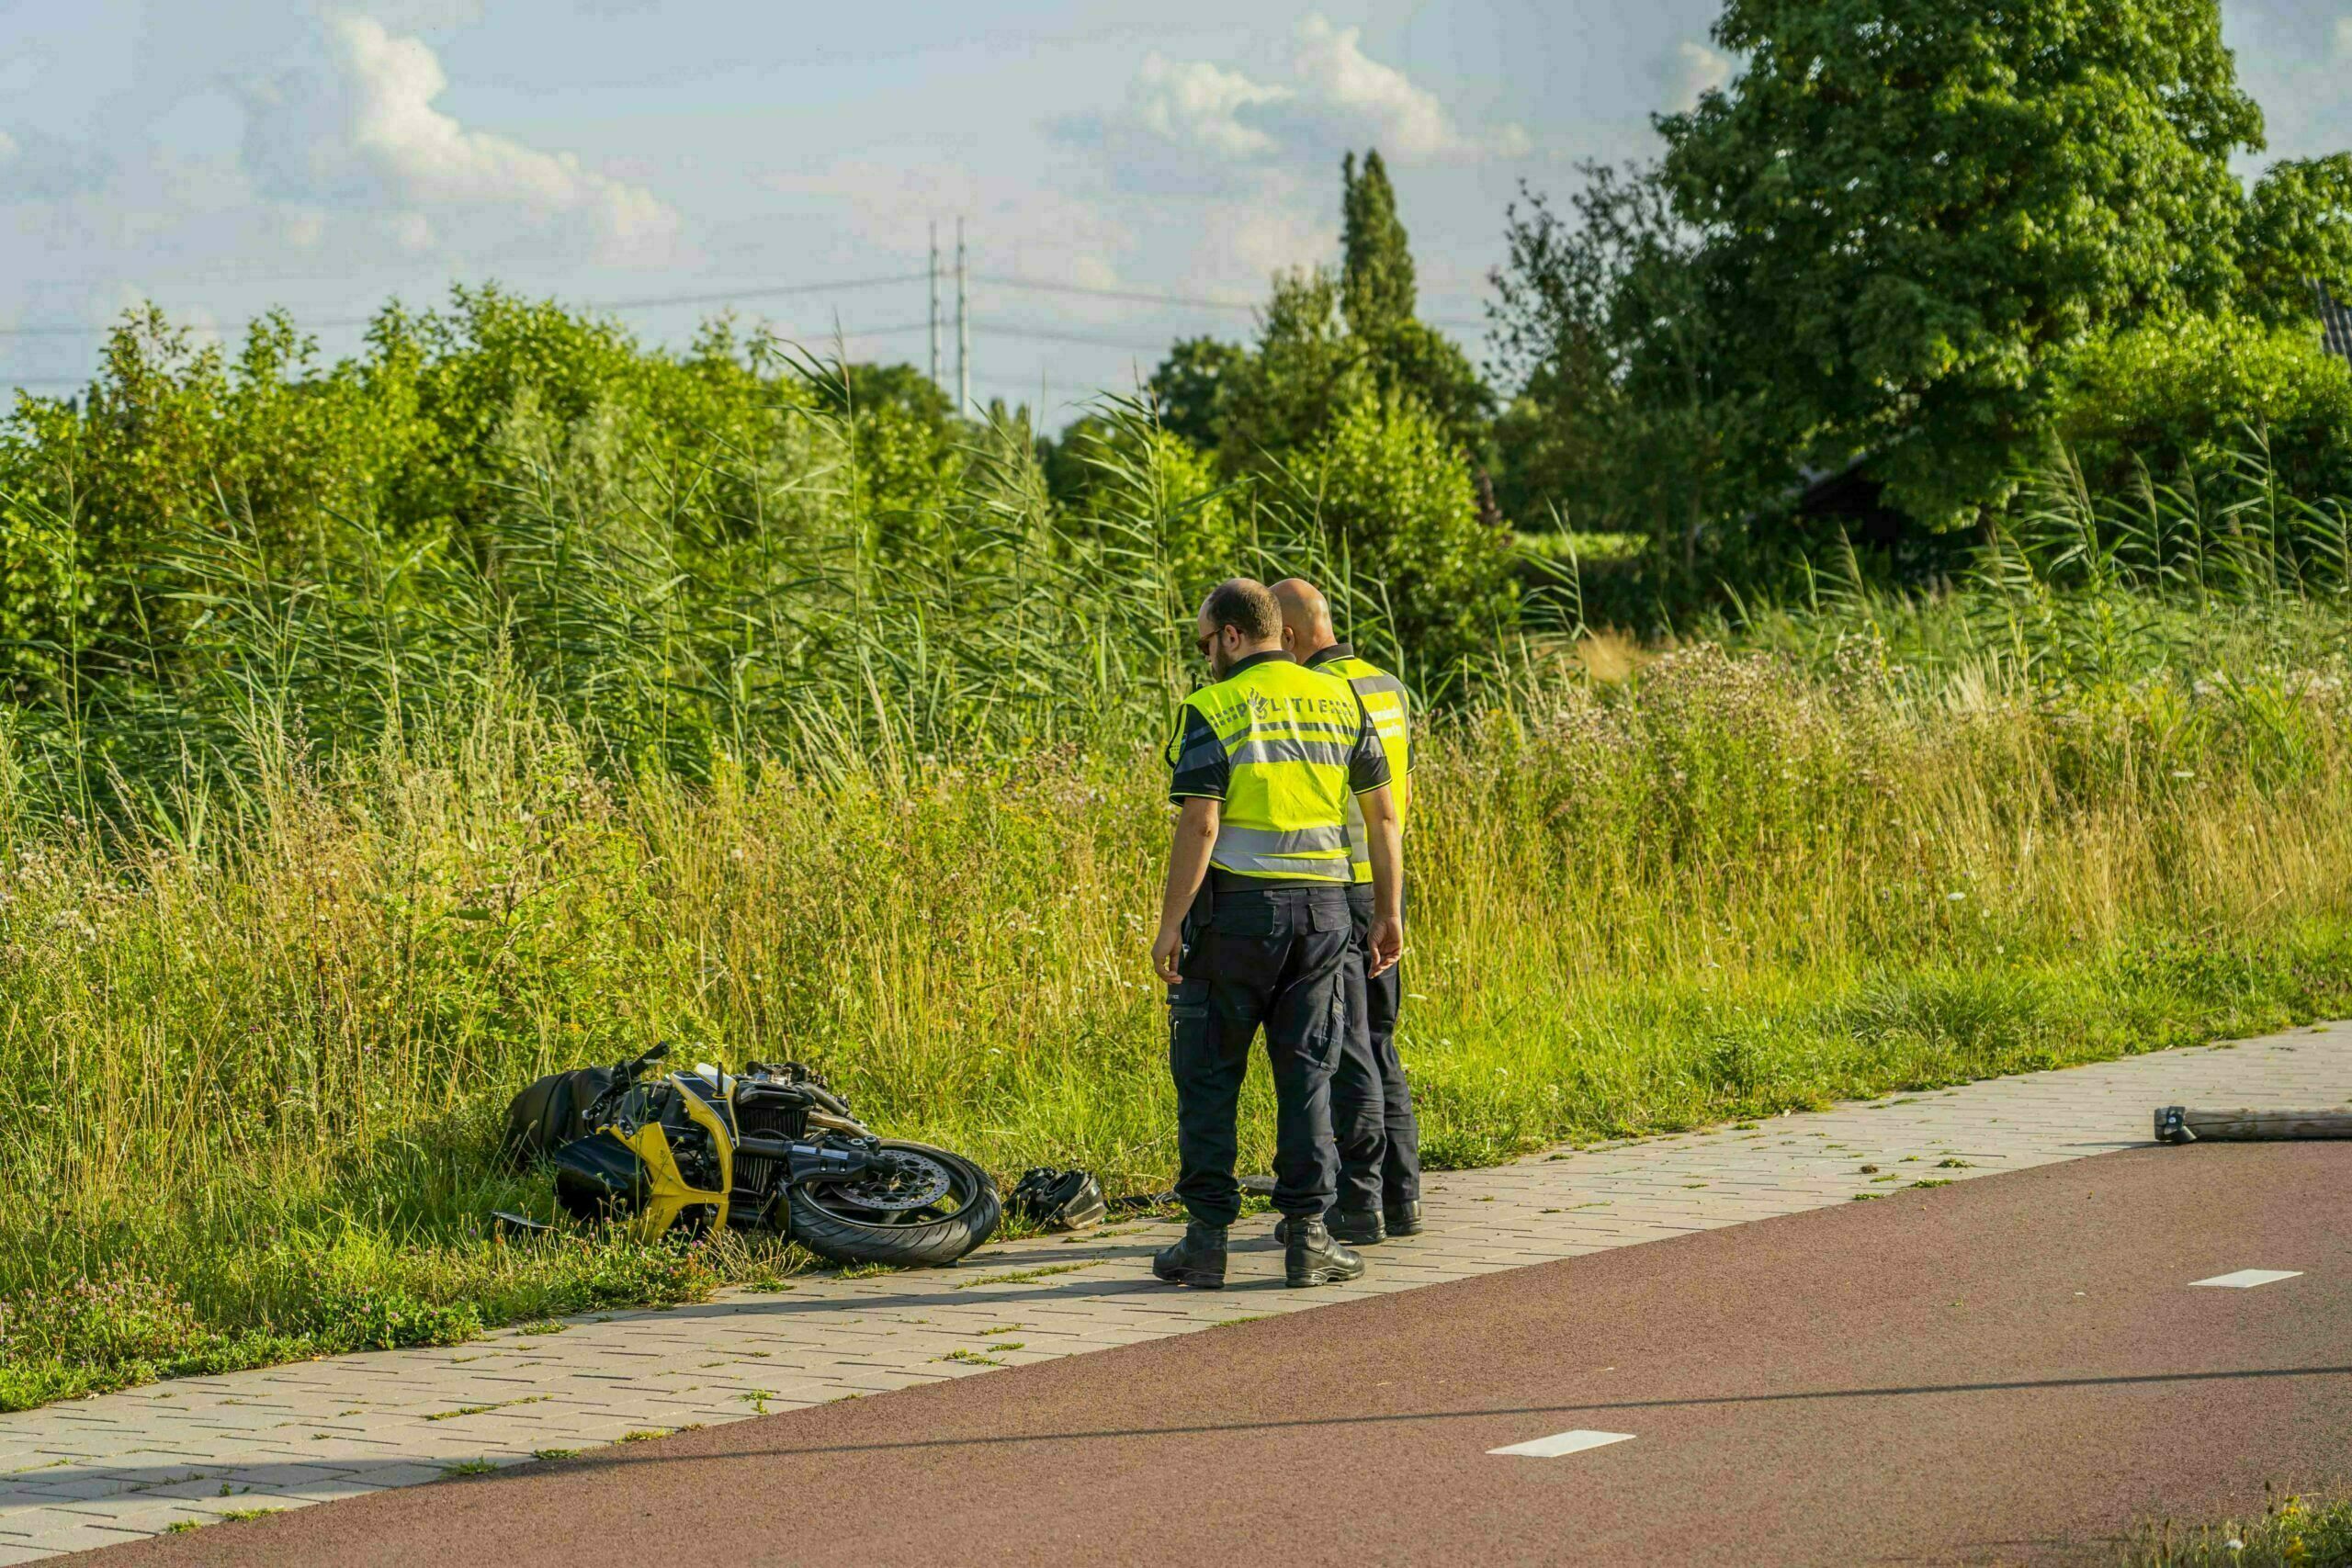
[
  {"x": 640, "y": 303},
  {"x": 779, "y": 291},
  {"x": 733, "y": 294},
  {"x": 1054, "y": 334},
  {"x": 1137, "y": 296},
  {"x": 1018, "y": 332},
  {"x": 1184, "y": 301}
]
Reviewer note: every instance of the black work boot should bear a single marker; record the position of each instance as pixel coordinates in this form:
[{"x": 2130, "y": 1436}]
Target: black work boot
[
  {"x": 1357, "y": 1228},
  {"x": 1405, "y": 1218},
  {"x": 1311, "y": 1257},
  {"x": 1198, "y": 1261}
]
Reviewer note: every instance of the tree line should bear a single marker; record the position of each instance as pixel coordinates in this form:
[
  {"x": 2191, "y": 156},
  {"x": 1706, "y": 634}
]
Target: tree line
[
  {"x": 1908, "y": 241},
  {"x": 1908, "y": 249}
]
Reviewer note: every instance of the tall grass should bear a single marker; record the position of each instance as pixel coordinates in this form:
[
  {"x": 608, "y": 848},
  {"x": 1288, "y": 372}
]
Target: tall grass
[
  {"x": 285, "y": 1036},
  {"x": 285, "y": 921}
]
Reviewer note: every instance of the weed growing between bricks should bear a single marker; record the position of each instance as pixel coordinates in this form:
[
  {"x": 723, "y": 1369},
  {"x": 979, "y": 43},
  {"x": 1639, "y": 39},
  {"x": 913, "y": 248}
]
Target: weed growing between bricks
[{"x": 2291, "y": 1532}]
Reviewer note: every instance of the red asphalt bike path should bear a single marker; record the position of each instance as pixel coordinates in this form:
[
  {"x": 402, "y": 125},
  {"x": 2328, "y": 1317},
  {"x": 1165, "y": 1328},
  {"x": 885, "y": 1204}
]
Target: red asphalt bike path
[{"x": 2011, "y": 1370}]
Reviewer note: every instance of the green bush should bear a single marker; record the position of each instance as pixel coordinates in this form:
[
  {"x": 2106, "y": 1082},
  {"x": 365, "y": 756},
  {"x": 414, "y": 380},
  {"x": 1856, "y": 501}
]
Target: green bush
[
  {"x": 2182, "y": 395},
  {"x": 1133, "y": 480},
  {"x": 1397, "y": 506}
]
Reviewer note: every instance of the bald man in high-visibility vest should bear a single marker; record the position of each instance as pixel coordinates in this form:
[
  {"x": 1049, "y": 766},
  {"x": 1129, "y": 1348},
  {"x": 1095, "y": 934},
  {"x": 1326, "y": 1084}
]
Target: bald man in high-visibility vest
[{"x": 1372, "y": 1104}]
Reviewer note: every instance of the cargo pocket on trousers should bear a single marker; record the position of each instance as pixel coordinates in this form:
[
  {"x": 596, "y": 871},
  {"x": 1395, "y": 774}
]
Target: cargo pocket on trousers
[
  {"x": 1333, "y": 1025},
  {"x": 1188, "y": 1022},
  {"x": 1326, "y": 920}
]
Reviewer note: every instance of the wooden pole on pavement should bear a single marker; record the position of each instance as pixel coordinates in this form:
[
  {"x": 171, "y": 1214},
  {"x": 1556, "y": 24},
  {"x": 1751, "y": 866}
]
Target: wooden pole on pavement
[{"x": 2178, "y": 1124}]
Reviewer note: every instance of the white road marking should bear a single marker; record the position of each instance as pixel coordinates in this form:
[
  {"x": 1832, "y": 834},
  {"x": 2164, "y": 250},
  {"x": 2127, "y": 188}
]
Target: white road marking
[
  {"x": 1560, "y": 1443},
  {"x": 2246, "y": 1279}
]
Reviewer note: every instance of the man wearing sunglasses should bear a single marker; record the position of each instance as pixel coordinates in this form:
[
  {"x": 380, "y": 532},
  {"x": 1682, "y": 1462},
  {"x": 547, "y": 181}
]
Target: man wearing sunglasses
[{"x": 1255, "y": 927}]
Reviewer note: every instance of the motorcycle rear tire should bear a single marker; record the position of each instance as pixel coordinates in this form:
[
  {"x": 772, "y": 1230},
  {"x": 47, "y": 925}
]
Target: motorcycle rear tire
[{"x": 924, "y": 1244}]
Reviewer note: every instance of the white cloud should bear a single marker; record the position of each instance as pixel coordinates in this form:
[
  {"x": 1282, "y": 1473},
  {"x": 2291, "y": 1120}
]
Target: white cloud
[
  {"x": 1335, "y": 94},
  {"x": 1692, "y": 70},
  {"x": 1092, "y": 270},
  {"x": 360, "y": 132},
  {"x": 2344, "y": 37},
  {"x": 1264, "y": 241},
  {"x": 431, "y": 159},
  {"x": 7, "y": 147},
  {"x": 1344, "y": 83},
  {"x": 106, "y": 304},
  {"x": 1196, "y": 104}
]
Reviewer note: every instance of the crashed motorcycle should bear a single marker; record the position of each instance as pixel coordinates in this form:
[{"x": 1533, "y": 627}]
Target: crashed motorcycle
[{"x": 768, "y": 1149}]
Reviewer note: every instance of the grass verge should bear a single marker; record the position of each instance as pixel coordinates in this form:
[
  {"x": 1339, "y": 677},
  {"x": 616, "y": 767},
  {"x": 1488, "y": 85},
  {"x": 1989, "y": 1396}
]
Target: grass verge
[{"x": 258, "y": 1048}]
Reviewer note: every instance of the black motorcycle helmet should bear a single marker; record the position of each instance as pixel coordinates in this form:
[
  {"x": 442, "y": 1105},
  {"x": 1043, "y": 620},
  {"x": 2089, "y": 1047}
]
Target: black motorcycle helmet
[{"x": 1060, "y": 1200}]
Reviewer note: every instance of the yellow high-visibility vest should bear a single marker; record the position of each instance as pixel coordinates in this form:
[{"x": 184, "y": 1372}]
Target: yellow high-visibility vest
[
  {"x": 1287, "y": 733},
  {"x": 1382, "y": 696}
]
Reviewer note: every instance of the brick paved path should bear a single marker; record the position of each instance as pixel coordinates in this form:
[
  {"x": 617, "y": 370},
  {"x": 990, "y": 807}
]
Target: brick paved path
[{"x": 103, "y": 1470}]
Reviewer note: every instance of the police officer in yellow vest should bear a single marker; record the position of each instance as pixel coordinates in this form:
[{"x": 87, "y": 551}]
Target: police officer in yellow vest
[
  {"x": 1372, "y": 1104},
  {"x": 1255, "y": 927}
]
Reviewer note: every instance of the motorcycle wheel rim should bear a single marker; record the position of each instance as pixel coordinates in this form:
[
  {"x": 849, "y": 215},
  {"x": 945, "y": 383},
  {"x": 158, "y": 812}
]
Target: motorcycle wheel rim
[{"x": 838, "y": 1200}]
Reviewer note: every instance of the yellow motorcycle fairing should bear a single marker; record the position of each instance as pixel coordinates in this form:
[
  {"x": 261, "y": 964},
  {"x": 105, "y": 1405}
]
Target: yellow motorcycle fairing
[{"x": 667, "y": 1195}]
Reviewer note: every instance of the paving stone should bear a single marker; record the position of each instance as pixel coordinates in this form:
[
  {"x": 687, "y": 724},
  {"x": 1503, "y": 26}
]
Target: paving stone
[{"x": 67, "y": 1532}]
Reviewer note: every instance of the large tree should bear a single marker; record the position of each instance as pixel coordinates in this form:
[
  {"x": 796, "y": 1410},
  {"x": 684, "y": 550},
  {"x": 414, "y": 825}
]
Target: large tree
[
  {"x": 1376, "y": 284},
  {"x": 1191, "y": 387},
  {"x": 1303, "y": 370},
  {"x": 1324, "y": 342},
  {"x": 1906, "y": 204},
  {"x": 2298, "y": 232},
  {"x": 1623, "y": 417},
  {"x": 1380, "y": 296}
]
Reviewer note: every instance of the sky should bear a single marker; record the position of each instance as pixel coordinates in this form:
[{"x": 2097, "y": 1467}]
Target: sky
[{"x": 656, "y": 156}]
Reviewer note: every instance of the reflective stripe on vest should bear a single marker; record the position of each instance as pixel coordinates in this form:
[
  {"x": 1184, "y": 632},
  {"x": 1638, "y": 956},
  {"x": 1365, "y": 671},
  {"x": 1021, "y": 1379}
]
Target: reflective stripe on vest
[
  {"x": 1384, "y": 698},
  {"x": 1287, "y": 732}
]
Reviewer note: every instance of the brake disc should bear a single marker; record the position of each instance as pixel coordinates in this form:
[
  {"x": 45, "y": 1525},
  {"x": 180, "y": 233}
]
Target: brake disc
[{"x": 898, "y": 1181}]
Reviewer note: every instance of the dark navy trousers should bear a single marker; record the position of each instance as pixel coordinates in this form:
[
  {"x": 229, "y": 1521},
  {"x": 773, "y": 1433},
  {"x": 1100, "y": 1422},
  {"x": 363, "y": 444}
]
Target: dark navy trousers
[
  {"x": 1372, "y": 1105},
  {"x": 1276, "y": 958}
]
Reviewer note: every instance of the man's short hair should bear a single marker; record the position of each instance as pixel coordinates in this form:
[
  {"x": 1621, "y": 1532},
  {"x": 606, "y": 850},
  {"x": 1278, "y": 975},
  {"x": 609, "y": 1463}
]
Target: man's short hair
[{"x": 1248, "y": 607}]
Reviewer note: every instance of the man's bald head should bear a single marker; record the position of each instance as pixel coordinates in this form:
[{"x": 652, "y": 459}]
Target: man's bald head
[{"x": 1306, "y": 617}]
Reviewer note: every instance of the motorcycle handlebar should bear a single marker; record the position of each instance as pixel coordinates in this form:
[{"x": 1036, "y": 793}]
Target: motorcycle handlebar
[{"x": 629, "y": 1070}]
